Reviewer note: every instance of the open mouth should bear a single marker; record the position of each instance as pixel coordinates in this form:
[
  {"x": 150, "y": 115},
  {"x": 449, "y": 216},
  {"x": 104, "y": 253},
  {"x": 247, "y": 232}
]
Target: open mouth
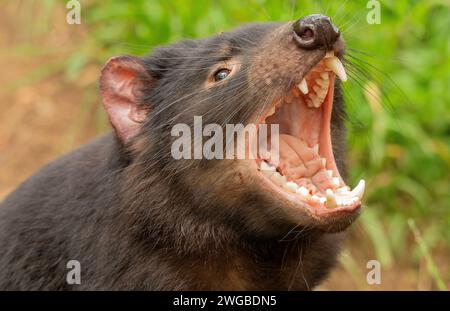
[{"x": 306, "y": 172}]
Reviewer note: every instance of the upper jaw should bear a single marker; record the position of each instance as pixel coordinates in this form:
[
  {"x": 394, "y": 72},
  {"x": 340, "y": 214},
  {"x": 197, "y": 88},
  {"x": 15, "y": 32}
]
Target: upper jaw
[
  {"x": 332, "y": 199},
  {"x": 330, "y": 62}
]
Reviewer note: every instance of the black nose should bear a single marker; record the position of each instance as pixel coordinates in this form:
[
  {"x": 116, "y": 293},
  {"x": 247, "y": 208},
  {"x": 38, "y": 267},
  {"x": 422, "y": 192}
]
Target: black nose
[{"x": 315, "y": 31}]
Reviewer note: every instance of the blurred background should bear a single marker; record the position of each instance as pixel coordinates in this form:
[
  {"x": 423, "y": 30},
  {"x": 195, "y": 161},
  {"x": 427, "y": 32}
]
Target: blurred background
[{"x": 398, "y": 99}]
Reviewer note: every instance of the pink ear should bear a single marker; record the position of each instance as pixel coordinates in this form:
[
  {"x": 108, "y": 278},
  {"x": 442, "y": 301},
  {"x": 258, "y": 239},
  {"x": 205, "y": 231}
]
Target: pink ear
[{"x": 121, "y": 80}]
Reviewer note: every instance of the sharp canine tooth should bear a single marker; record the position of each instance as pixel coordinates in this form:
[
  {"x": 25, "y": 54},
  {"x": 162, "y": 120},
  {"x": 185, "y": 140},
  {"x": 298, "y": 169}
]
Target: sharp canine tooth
[
  {"x": 358, "y": 191},
  {"x": 329, "y": 54},
  {"x": 335, "y": 64},
  {"x": 303, "y": 191},
  {"x": 331, "y": 198},
  {"x": 303, "y": 86}
]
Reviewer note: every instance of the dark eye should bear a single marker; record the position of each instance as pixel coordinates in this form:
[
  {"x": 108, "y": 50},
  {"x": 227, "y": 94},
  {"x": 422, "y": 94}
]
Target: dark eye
[{"x": 221, "y": 74}]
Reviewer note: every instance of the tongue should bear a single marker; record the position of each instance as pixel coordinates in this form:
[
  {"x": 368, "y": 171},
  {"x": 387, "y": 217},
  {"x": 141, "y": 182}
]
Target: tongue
[{"x": 302, "y": 164}]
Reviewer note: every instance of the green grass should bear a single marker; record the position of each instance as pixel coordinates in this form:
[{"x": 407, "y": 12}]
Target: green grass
[{"x": 431, "y": 266}]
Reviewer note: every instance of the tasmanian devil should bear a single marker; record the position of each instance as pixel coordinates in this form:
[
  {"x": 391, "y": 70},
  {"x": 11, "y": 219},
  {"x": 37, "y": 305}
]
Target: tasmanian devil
[{"x": 136, "y": 218}]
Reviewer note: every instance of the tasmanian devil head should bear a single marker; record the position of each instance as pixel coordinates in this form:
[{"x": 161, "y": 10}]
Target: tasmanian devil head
[{"x": 276, "y": 73}]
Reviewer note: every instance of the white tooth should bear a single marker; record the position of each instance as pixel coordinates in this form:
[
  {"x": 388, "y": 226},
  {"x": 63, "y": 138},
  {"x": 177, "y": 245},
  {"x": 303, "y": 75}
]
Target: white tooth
[
  {"x": 303, "y": 86},
  {"x": 303, "y": 191},
  {"x": 292, "y": 186},
  {"x": 322, "y": 200},
  {"x": 271, "y": 112},
  {"x": 335, "y": 64},
  {"x": 315, "y": 198},
  {"x": 315, "y": 148},
  {"x": 346, "y": 201},
  {"x": 278, "y": 179},
  {"x": 316, "y": 102},
  {"x": 336, "y": 181},
  {"x": 352, "y": 200},
  {"x": 323, "y": 82},
  {"x": 330, "y": 173},
  {"x": 320, "y": 82},
  {"x": 267, "y": 167},
  {"x": 358, "y": 191},
  {"x": 329, "y": 54},
  {"x": 322, "y": 93},
  {"x": 341, "y": 201},
  {"x": 324, "y": 76},
  {"x": 320, "y": 98},
  {"x": 331, "y": 198},
  {"x": 343, "y": 190}
]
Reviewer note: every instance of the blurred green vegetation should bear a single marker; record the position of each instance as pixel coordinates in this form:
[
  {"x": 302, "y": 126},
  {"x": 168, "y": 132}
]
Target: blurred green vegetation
[{"x": 398, "y": 105}]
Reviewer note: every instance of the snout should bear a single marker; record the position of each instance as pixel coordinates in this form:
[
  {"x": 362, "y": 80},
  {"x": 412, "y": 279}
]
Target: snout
[{"x": 315, "y": 32}]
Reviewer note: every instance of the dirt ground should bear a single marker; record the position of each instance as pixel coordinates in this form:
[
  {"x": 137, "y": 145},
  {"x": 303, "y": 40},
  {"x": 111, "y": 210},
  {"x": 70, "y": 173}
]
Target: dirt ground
[{"x": 43, "y": 115}]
